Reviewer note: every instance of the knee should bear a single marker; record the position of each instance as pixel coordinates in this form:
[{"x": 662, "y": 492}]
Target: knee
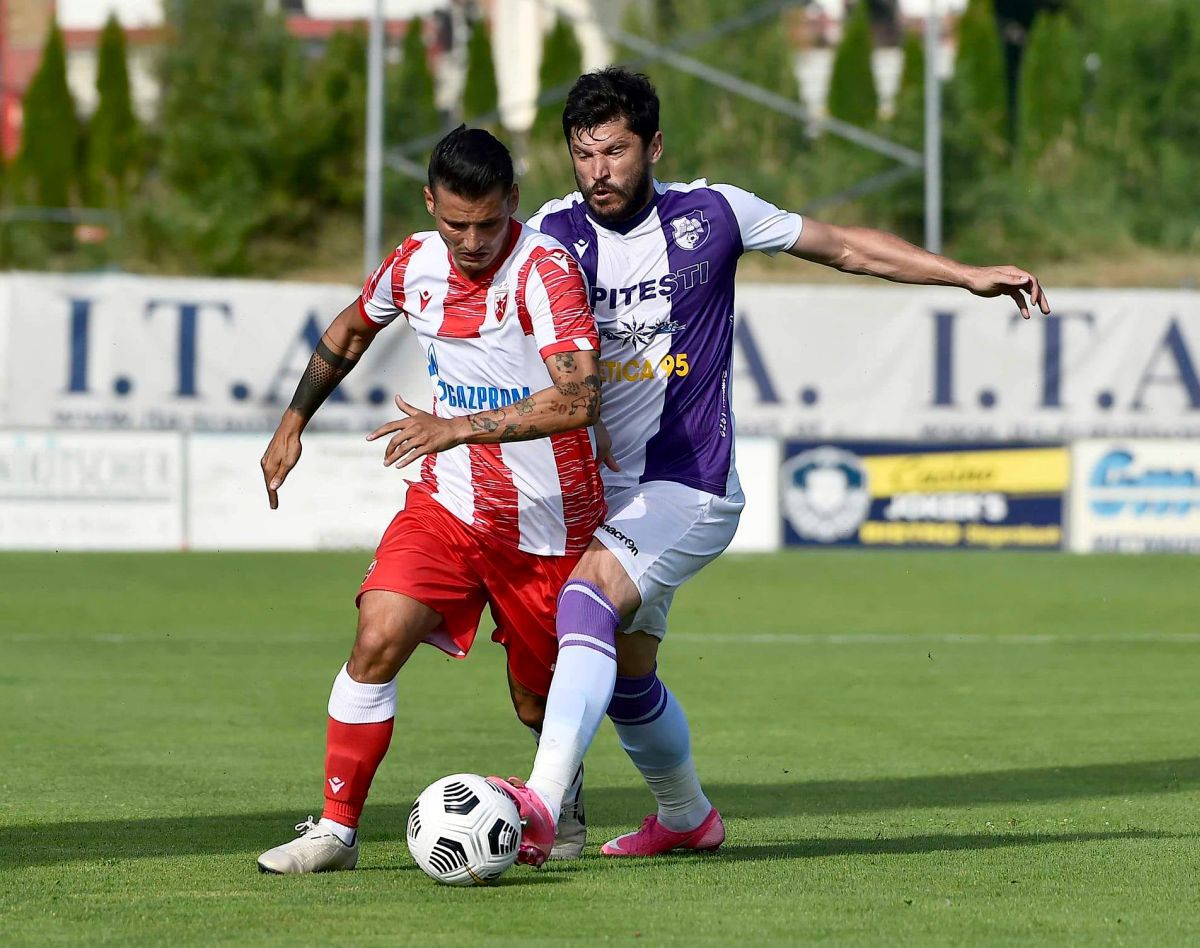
[
  {"x": 377, "y": 654},
  {"x": 530, "y": 708},
  {"x": 637, "y": 654}
]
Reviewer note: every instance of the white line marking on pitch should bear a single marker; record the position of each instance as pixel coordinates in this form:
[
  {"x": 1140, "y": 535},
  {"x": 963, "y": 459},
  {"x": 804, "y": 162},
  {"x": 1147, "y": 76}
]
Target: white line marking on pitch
[
  {"x": 713, "y": 638},
  {"x": 951, "y": 638}
]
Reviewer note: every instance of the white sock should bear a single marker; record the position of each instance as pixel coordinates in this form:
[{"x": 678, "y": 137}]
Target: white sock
[
  {"x": 580, "y": 691},
  {"x": 661, "y": 749},
  {"x": 345, "y": 833}
]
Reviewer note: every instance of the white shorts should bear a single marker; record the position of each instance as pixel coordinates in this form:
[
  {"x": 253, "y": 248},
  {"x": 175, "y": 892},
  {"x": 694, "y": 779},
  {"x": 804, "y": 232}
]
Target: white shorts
[{"x": 663, "y": 533}]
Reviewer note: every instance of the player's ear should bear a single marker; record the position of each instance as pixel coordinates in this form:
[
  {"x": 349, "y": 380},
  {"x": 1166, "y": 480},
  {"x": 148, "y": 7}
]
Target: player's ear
[
  {"x": 514, "y": 199},
  {"x": 656, "y": 147},
  {"x": 430, "y": 203}
]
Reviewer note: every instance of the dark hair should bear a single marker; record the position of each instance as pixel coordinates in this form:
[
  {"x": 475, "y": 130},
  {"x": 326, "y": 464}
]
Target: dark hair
[
  {"x": 471, "y": 163},
  {"x": 610, "y": 94}
]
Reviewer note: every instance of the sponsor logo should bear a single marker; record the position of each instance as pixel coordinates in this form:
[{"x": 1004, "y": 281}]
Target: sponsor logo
[
  {"x": 336, "y": 784},
  {"x": 473, "y": 397},
  {"x": 690, "y": 231},
  {"x": 618, "y": 535},
  {"x": 1123, "y": 486},
  {"x": 641, "y": 370},
  {"x": 824, "y": 494},
  {"x": 641, "y": 333},
  {"x": 425, "y": 297},
  {"x": 666, "y": 286}
]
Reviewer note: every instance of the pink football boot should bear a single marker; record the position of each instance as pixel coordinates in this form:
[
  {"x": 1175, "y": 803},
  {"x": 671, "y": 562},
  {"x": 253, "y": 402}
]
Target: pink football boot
[
  {"x": 654, "y": 839},
  {"x": 537, "y": 825}
]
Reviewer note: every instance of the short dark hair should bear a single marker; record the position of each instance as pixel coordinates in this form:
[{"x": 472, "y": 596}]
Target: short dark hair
[
  {"x": 610, "y": 94},
  {"x": 471, "y": 163}
]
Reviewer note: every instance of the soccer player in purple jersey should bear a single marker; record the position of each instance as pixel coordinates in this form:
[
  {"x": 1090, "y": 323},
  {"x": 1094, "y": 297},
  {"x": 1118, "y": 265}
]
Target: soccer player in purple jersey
[{"x": 660, "y": 260}]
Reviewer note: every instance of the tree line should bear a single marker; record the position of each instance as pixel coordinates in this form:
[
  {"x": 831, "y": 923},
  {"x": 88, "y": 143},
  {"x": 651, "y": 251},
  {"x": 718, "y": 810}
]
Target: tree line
[{"x": 254, "y": 161}]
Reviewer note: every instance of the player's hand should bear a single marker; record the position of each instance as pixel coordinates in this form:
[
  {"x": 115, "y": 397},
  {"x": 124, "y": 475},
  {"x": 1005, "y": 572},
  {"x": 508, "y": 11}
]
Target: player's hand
[
  {"x": 415, "y": 436},
  {"x": 281, "y": 456},
  {"x": 604, "y": 447},
  {"x": 1010, "y": 281}
]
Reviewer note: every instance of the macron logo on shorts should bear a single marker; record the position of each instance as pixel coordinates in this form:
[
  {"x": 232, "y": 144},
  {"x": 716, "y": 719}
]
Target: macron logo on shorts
[
  {"x": 336, "y": 784},
  {"x": 618, "y": 535}
]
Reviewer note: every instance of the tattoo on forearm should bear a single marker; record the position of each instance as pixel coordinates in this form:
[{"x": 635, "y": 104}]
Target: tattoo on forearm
[
  {"x": 565, "y": 361},
  {"x": 524, "y": 406},
  {"x": 531, "y": 433},
  {"x": 325, "y": 370},
  {"x": 486, "y": 422}
]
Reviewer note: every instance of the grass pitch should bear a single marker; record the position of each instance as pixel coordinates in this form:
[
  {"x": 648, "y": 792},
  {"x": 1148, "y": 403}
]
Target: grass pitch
[{"x": 908, "y": 748}]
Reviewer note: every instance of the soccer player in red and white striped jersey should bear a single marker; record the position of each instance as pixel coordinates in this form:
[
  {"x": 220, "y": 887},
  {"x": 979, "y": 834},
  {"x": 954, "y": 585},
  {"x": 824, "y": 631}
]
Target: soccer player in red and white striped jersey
[{"x": 510, "y": 493}]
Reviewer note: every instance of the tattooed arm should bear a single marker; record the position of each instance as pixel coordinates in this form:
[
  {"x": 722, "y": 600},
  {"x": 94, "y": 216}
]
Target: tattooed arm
[
  {"x": 573, "y": 401},
  {"x": 336, "y": 354}
]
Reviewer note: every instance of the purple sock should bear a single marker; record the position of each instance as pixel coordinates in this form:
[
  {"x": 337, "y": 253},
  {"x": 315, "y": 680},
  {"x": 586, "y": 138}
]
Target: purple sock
[
  {"x": 586, "y": 618},
  {"x": 640, "y": 700}
]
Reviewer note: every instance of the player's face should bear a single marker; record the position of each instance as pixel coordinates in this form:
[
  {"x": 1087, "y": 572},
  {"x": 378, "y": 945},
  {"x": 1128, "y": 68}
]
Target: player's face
[
  {"x": 475, "y": 229},
  {"x": 614, "y": 169}
]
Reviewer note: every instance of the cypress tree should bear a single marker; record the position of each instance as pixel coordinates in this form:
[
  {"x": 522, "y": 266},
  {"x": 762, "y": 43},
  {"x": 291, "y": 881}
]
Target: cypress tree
[
  {"x": 48, "y": 160},
  {"x": 852, "y": 96},
  {"x": 112, "y": 159},
  {"x": 909, "y": 111},
  {"x": 978, "y": 89},
  {"x": 562, "y": 61},
  {"x": 411, "y": 110},
  {"x": 222, "y": 180},
  {"x": 480, "y": 96},
  {"x": 1050, "y": 93}
]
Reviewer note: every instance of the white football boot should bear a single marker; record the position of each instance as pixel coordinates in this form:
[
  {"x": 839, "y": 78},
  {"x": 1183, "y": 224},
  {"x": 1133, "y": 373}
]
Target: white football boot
[
  {"x": 571, "y": 832},
  {"x": 317, "y": 849}
]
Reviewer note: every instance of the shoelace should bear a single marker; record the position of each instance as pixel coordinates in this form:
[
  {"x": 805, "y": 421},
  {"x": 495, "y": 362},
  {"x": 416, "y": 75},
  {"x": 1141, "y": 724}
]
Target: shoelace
[{"x": 307, "y": 826}]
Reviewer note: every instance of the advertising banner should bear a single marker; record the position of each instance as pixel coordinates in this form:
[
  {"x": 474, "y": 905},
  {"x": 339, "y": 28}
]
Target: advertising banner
[
  {"x": 340, "y": 496},
  {"x": 79, "y": 490},
  {"x": 937, "y": 364},
  {"x": 1135, "y": 497},
  {"x": 121, "y": 351},
  {"x": 880, "y": 494},
  {"x": 810, "y": 362}
]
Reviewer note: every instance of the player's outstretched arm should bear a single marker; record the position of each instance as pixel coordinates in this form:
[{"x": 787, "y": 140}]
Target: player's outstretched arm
[
  {"x": 336, "y": 354},
  {"x": 880, "y": 254},
  {"x": 573, "y": 401}
]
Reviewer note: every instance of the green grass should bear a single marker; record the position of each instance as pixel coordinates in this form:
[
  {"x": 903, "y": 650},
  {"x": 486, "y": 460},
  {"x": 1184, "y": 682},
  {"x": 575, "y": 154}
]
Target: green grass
[{"x": 908, "y": 749}]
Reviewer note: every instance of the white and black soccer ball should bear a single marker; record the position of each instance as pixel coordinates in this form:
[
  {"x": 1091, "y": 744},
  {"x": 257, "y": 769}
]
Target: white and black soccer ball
[{"x": 463, "y": 831}]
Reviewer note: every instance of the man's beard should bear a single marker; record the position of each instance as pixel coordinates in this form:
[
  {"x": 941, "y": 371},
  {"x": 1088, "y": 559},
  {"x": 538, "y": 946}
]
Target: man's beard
[{"x": 631, "y": 201}]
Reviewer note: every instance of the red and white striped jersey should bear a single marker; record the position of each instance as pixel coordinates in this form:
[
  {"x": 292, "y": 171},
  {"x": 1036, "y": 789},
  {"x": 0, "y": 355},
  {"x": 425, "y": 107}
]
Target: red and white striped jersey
[{"x": 486, "y": 341}]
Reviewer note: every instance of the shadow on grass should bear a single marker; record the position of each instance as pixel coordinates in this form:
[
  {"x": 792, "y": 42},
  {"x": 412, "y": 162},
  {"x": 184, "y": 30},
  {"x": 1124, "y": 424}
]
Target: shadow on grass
[
  {"x": 913, "y": 845},
  {"x": 250, "y": 833}
]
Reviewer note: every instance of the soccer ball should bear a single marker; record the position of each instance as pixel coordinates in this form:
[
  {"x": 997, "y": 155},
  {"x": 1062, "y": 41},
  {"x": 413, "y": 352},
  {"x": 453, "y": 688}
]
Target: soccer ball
[{"x": 463, "y": 831}]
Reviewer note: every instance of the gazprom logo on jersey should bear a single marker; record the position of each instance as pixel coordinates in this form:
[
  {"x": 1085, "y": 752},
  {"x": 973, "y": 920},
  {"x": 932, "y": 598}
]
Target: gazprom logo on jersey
[
  {"x": 1122, "y": 483},
  {"x": 473, "y": 397},
  {"x": 665, "y": 286}
]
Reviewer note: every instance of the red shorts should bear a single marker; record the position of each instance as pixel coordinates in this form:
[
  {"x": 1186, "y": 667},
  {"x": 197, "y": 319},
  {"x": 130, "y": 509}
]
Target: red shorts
[{"x": 431, "y": 556}]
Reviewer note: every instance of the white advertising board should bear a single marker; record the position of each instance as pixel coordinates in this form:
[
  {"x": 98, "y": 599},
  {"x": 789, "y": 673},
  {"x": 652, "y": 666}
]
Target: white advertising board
[
  {"x": 937, "y": 364},
  {"x": 121, "y": 351},
  {"x": 1135, "y": 496},
  {"x": 340, "y": 496},
  {"x": 758, "y": 469},
  {"x": 76, "y": 490},
  {"x": 810, "y": 363}
]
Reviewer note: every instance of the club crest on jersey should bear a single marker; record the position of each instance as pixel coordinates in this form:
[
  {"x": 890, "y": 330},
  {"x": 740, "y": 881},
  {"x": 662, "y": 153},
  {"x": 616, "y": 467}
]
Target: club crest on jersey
[{"x": 690, "y": 231}]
